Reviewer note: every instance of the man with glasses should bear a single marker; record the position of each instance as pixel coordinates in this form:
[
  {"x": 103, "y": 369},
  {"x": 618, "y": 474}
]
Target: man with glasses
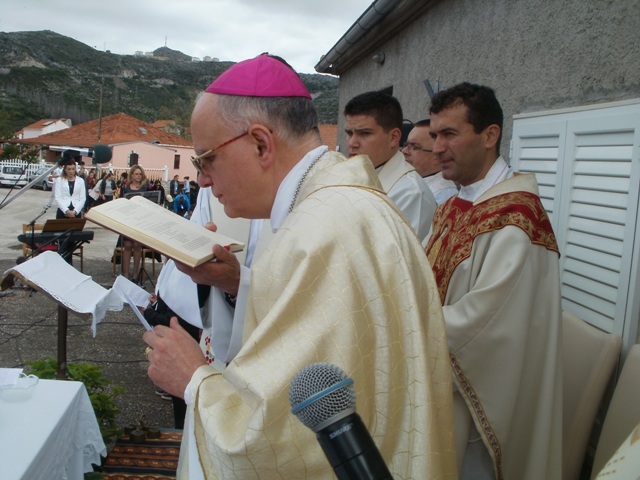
[
  {"x": 418, "y": 151},
  {"x": 342, "y": 279},
  {"x": 373, "y": 124}
]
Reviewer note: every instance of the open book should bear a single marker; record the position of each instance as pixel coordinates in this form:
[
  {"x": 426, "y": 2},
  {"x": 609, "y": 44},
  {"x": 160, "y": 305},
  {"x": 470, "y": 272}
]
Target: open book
[{"x": 160, "y": 229}]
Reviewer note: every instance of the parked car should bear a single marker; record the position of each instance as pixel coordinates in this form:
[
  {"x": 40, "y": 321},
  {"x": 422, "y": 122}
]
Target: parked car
[
  {"x": 45, "y": 183},
  {"x": 12, "y": 175}
]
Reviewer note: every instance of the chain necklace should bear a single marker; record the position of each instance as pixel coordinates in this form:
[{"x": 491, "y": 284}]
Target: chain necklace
[{"x": 304, "y": 175}]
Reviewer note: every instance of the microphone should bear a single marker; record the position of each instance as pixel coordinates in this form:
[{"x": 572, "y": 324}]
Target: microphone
[
  {"x": 67, "y": 156},
  {"x": 101, "y": 154},
  {"x": 323, "y": 399}
]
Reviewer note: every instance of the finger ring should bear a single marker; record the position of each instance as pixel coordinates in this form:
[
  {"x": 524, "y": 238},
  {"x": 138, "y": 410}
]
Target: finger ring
[{"x": 147, "y": 350}]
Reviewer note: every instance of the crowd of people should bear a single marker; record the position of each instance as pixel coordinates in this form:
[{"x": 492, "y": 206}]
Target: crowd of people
[
  {"x": 91, "y": 191},
  {"x": 427, "y": 270},
  {"x": 77, "y": 189}
]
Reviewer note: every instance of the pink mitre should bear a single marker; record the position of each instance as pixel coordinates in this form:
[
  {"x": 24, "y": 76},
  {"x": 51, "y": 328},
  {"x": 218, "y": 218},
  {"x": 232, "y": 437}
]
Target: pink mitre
[{"x": 262, "y": 76}]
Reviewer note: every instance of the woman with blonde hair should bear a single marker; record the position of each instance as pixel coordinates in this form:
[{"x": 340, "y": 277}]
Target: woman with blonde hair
[
  {"x": 138, "y": 183},
  {"x": 69, "y": 192}
]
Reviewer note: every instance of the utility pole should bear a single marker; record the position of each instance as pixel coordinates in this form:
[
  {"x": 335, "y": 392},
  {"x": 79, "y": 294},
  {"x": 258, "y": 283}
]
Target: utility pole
[{"x": 100, "y": 110}]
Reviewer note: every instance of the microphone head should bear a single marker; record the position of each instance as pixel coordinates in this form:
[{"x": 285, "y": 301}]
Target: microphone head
[
  {"x": 101, "y": 154},
  {"x": 320, "y": 394}
]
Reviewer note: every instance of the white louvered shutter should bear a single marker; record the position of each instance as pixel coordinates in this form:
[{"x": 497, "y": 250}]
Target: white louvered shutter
[{"x": 587, "y": 163}]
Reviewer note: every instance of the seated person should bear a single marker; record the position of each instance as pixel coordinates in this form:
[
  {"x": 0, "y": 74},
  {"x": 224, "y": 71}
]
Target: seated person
[{"x": 138, "y": 182}]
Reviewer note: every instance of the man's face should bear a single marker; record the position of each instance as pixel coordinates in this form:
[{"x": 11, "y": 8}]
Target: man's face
[
  {"x": 465, "y": 156},
  {"x": 231, "y": 171},
  {"x": 366, "y": 137},
  {"x": 418, "y": 149}
]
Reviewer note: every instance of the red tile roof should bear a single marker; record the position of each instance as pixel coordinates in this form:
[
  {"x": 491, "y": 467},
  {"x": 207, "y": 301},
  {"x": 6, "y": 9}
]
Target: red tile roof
[
  {"x": 162, "y": 123},
  {"x": 115, "y": 129},
  {"x": 123, "y": 128},
  {"x": 329, "y": 134}
]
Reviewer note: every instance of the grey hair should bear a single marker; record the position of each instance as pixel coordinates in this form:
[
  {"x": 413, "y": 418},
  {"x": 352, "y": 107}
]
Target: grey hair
[{"x": 290, "y": 118}]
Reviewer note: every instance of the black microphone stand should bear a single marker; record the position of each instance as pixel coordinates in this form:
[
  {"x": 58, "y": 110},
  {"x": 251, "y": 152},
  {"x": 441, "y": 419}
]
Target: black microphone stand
[{"x": 32, "y": 225}]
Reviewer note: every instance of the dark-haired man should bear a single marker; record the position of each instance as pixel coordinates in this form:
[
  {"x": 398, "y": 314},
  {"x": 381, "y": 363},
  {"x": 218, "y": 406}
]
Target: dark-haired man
[
  {"x": 373, "y": 123},
  {"x": 495, "y": 259},
  {"x": 174, "y": 186},
  {"x": 418, "y": 151},
  {"x": 343, "y": 280}
]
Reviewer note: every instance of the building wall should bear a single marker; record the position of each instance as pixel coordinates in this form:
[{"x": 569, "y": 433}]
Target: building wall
[
  {"x": 151, "y": 157},
  {"x": 155, "y": 157},
  {"x": 53, "y": 127},
  {"x": 537, "y": 55}
]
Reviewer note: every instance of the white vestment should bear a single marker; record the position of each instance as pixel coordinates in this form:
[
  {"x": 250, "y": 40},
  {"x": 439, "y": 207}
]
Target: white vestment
[
  {"x": 496, "y": 263},
  {"x": 408, "y": 192},
  {"x": 64, "y": 198},
  {"x": 343, "y": 280},
  {"x": 441, "y": 188},
  {"x": 177, "y": 289}
]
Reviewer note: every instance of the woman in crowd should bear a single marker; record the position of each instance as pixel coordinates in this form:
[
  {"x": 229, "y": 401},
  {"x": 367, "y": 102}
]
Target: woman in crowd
[
  {"x": 106, "y": 188},
  {"x": 103, "y": 190},
  {"x": 70, "y": 192},
  {"x": 157, "y": 186},
  {"x": 138, "y": 183},
  {"x": 89, "y": 183},
  {"x": 91, "y": 179}
]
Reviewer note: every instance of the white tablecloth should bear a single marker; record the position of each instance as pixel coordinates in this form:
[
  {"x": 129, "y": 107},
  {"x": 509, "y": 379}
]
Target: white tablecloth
[{"x": 51, "y": 435}]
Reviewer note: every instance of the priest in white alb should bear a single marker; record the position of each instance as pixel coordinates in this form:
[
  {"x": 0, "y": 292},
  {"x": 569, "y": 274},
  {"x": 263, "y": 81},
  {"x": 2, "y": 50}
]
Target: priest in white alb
[{"x": 495, "y": 259}]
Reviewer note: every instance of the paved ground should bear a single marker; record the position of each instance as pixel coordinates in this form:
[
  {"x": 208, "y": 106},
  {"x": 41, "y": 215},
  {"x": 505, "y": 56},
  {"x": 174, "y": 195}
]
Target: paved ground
[{"x": 28, "y": 321}]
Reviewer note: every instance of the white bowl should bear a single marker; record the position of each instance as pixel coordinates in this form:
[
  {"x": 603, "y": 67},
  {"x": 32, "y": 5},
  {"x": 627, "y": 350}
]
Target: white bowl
[{"x": 21, "y": 390}]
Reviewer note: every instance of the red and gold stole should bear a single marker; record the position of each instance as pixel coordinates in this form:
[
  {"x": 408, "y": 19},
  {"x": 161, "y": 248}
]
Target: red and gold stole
[{"x": 458, "y": 222}]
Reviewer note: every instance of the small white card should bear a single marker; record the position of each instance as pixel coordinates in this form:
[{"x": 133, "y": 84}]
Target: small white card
[
  {"x": 134, "y": 296},
  {"x": 137, "y": 312}
]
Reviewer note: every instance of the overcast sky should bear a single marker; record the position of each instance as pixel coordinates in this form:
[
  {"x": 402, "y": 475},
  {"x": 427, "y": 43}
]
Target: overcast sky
[{"x": 300, "y": 31}]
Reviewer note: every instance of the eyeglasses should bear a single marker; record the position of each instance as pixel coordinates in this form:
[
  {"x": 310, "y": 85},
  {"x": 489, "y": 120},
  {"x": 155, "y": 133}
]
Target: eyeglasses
[
  {"x": 415, "y": 147},
  {"x": 197, "y": 160}
]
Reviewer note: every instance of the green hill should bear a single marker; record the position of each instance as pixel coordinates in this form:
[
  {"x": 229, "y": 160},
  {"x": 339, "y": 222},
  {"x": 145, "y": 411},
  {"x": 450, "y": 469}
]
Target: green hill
[{"x": 47, "y": 75}]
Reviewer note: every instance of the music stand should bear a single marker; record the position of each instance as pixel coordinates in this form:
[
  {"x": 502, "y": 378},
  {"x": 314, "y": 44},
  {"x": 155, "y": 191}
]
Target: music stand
[
  {"x": 63, "y": 224},
  {"x": 152, "y": 195}
]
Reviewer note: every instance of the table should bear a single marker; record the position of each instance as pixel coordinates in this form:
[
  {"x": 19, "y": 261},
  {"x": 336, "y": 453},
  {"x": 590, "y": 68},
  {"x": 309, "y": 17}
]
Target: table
[{"x": 53, "y": 434}]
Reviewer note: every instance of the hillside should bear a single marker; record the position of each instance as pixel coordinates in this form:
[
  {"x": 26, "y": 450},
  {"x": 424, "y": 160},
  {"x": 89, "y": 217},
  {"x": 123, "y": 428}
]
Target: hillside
[{"x": 47, "y": 75}]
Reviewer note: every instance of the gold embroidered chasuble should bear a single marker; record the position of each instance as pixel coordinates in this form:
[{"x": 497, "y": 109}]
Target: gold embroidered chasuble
[
  {"x": 344, "y": 280},
  {"x": 496, "y": 263}
]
